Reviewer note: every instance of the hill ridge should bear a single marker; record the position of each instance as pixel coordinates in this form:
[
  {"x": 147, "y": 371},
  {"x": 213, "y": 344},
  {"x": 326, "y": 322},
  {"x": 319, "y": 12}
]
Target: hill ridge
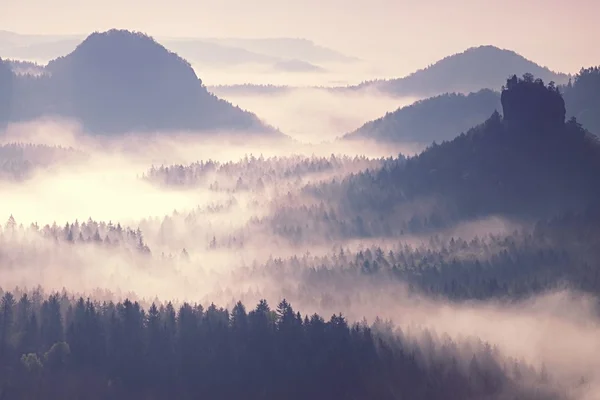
[{"x": 477, "y": 67}]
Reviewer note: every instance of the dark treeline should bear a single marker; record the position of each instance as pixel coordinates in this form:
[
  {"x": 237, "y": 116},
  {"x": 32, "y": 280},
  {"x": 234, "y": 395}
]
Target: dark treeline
[{"x": 59, "y": 347}]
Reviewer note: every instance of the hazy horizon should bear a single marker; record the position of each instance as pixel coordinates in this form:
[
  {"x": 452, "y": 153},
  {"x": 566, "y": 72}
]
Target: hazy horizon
[
  {"x": 448, "y": 221},
  {"x": 406, "y": 35}
]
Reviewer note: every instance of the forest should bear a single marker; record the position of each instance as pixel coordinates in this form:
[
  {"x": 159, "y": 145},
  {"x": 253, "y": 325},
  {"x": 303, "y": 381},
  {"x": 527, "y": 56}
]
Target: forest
[
  {"x": 108, "y": 350},
  {"x": 154, "y": 251},
  {"x": 442, "y": 117}
]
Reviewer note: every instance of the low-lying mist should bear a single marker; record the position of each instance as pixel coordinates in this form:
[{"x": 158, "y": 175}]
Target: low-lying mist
[
  {"x": 105, "y": 180},
  {"x": 315, "y": 115},
  {"x": 113, "y": 224},
  {"x": 313, "y": 74}
]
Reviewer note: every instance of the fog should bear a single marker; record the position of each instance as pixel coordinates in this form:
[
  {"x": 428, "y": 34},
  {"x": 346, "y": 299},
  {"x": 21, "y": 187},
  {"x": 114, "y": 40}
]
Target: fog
[
  {"x": 232, "y": 250},
  {"x": 322, "y": 74},
  {"x": 105, "y": 183},
  {"x": 314, "y": 115}
]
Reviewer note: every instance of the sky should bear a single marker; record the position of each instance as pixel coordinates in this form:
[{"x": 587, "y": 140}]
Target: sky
[{"x": 409, "y": 34}]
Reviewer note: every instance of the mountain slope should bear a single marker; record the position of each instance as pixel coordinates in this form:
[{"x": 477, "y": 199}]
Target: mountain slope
[
  {"x": 475, "y": 68},
  {"x": 442, "y": 117},
  {"x": 119, "y": 81},
  {"x": 530, "y": 164},
  {"x": 434, "y": 119}
]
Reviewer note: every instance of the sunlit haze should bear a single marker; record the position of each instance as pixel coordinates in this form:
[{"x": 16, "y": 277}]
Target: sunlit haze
[{"x": 299, "y": 200}]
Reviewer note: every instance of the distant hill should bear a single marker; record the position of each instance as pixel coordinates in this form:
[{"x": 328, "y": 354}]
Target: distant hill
[
  {"x": 297, "y": 66},
  {"x": 207, "y": 51},
  {"x": 41, "y": 51},
  {"x": 475, "y": 68},
  {"x": 119, "y": 81},
  {"x": 287, "y": 48},
  {"x": 529, "y": 164},
  {"x": 38, "y": 48},
  {"x": 437, "y": 118}
]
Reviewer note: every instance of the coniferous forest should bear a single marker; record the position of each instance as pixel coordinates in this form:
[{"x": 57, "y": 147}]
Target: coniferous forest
[{"x": 147, "y": 255}]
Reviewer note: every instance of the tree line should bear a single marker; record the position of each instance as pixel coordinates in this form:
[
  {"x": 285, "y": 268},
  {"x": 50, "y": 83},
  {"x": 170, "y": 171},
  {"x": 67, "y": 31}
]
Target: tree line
[{"x": 61, "y": 347}]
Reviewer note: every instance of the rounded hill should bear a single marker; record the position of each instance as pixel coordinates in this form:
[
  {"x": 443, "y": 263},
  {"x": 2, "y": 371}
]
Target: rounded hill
[{"x": 119, "y": 81}]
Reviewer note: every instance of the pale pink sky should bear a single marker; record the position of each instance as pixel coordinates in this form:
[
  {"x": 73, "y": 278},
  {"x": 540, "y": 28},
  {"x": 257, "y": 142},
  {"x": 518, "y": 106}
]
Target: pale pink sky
[{"x": 410, "y": 33}]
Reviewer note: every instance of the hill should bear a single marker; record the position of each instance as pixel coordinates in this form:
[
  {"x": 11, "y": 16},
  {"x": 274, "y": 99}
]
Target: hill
[
  {"x": 529, "y": 164},
  {"x": 474, "y": 69},
  {"x": 206, "y": 52},
  {"x": 444, "y": 116},
  {"x": 119, "y": 81},
  {"x": 297, "y": 66},
  {"x": 432, "y": 119}
]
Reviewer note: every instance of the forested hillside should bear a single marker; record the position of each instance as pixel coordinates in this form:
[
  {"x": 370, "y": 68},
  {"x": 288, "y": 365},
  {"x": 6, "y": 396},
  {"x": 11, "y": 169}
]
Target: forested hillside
[
  {"x": 531, "y": 163},
  {"x": 120, "y": 81}
]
